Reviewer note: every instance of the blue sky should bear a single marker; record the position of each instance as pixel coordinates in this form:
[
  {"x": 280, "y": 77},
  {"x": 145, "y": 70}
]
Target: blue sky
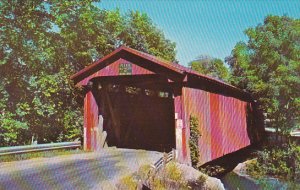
[{"x": 205, "y": 27}]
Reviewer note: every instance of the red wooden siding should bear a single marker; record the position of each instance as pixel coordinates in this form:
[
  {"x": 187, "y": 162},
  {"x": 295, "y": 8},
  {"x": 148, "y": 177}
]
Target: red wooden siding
[
  {"x": 181, "y": 132},
  {"x": 90, "y": 121},
  {"x": 113, "y": 70},
  {"x": 222, "y": 122},
  {"x": 178, "y": 128},
  {"x": 219, "y": 107}
]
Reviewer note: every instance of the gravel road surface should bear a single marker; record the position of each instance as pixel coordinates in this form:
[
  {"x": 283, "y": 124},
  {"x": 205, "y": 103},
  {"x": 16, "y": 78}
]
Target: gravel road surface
[{"x": 94, "y": 170}]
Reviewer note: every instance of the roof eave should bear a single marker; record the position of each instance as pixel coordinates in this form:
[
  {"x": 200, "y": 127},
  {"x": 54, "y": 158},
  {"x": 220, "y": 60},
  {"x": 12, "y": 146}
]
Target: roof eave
[{"x": 134, "y": 56}]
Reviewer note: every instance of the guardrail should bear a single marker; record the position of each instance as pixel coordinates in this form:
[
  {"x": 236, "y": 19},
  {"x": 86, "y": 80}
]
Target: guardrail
[{"x": 38, "y": 147}]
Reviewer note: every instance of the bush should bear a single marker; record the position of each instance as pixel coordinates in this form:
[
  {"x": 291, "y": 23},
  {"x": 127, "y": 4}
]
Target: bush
[{"x": 281, "y": 162}]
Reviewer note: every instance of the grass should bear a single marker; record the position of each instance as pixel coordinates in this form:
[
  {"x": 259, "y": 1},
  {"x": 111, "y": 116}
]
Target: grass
[
  {"x": 128, "y": 183},
  {"x": 43, "y": 154}
]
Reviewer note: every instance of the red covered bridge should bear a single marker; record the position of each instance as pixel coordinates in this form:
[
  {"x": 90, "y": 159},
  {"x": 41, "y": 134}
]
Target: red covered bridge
[{"x": 135, "y": 100}]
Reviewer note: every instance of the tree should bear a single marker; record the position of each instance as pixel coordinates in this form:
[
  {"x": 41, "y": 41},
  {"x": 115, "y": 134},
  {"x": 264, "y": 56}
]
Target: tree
[
  {"x": 140, "y": 33},
  {"x": 268, "y": 66},
  {"x": 24, "y": 38},
  {"x": 210, "y": 66},
  {"x": 42, "y": 43}
]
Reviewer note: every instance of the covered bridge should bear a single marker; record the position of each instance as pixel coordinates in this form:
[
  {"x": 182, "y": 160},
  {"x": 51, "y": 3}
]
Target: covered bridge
[{"x": 135, "y": 100}]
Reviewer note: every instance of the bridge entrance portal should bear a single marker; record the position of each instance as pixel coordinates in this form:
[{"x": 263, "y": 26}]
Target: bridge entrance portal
[{"x": 138, "y": 112}]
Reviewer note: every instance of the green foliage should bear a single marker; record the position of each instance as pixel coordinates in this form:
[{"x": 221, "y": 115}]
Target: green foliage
[
  {"x": 140, "y": 33},
  {"x": 10, "y": 129},
  {"x": 193, "y": 141},
  {"x": 42, "y": 43},
  {"x": 281, "y": 162},
  {"x": 268, "y": 66},
  {"x": 210, "y": 66}
]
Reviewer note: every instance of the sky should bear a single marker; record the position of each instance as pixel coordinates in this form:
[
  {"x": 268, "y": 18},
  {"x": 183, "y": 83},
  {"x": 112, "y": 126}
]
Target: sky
[{"x": 205, "y": 27}]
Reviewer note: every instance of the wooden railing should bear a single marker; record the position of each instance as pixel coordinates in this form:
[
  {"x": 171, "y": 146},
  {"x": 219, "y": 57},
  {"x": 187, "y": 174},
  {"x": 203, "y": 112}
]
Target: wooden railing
[
  {"x": 167, "y": 157},
  {"x": 160, "y": 163}
]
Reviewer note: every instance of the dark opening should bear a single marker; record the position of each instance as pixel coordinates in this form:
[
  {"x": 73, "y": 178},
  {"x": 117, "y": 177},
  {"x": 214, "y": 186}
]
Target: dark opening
[{"x": 138, "y": 112}]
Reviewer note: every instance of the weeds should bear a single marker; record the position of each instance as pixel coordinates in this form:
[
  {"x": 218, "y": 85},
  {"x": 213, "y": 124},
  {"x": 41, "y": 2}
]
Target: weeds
[
  {"x": 169, "y": 177},
  {"x": 173, "y": 172},
  {"x": 128, "y": 183}
]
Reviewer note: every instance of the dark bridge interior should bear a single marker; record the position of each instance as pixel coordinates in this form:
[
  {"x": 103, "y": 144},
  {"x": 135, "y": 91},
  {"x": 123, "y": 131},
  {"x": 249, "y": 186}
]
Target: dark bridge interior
[{"x": 138, "y": 112}]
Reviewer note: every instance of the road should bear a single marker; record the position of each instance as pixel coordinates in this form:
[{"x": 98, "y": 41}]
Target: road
[{"x": 92, "y": 170}]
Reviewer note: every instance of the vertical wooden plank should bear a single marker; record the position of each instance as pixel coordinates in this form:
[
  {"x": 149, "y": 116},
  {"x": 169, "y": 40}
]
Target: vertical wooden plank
[
  {"x": 181, "y": 127},
  {"x": 178, "y": 128},
  {"x": 223, "y": 122},
  {"x": 87, "y": 123},
  {"x": 95, "y": 122},
  {"x": 216, "y": 131},
  {"x": 205, "y": 127},
  {"x": 186, "y": 127},
  {"x": 90, "y": 121}
]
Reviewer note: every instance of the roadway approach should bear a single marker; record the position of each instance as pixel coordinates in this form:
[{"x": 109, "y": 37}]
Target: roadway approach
[{"x": 91, "y": 170}]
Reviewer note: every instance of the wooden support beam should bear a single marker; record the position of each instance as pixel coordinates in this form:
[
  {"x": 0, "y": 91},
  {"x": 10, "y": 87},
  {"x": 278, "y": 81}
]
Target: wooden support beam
[{"x": 115, "y": 121}]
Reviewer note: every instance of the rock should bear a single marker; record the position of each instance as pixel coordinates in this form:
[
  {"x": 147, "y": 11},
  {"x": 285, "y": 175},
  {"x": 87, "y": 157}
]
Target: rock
[
  {"x": 241, "y": 168},
  {"x": 214, "y": 183},
  {"x": 192, "y": 175}
]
